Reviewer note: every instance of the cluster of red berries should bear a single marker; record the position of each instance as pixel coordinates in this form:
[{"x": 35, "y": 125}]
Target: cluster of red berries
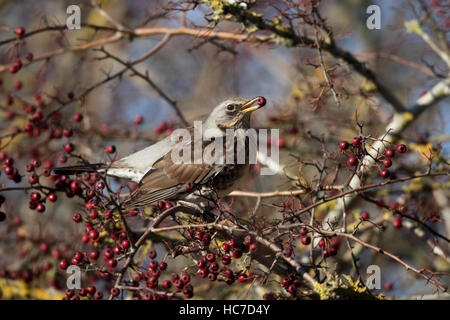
[
  {"x": 216, "y": 265},
  {"x": 88, "y": 292},
  {"x": 164, "y": 205},
  {"x": 164, "y": 127},
  {"x": 8, "y": 168},
  {"x": 356, "y": 144},
  {"x": 329, "y": 246},
  {"x": 386, "y": 160},
  {"x": 42, "y": 268},
  {"x": 291, "y": 283}
]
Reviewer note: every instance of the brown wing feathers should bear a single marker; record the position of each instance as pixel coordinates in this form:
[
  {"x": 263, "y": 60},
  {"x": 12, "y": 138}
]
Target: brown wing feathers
[{"x": 167, "y": 179}]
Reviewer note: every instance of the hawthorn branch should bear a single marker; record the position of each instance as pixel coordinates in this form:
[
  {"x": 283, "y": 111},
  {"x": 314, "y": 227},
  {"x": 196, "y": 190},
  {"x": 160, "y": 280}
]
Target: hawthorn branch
[{"x": 398, "y": 124}]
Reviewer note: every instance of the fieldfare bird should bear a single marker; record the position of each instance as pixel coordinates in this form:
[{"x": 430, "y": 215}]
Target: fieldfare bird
[{"x": 159, "y": 177}]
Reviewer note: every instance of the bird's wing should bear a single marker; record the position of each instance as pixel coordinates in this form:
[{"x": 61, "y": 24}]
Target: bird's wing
[
  {"x": 136, "y": 165},
  {"x": 167, "y": 178}
]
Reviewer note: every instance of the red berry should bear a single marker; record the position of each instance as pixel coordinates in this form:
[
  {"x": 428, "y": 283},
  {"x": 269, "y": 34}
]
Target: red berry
[
  {"x": 229, "y": 273},
  {"x": 292, "y": 289},
  {"x": 114, "y": 292},
  {"x": 64, "y": 264},
  {"x": 117, "y": 250},
  {"x": 303, "y": 232},
  {"x": 226, "y": 260},
  {"x": 343, "y": 145},
  {"x": 40, "y": 207},
  {"x": 162, "y": 265},
  {"x": 185, "y": 278},
  {"x": 166, "y": 284},
  {"x": 365, "y": 215},
  {"x": 321, "y": 243},
  {"x": 76, "y": 217},
  {"x": 161, "y": 127},
  {"x": 389, "y": 152},
  {"x": 69, "y": 147},
  {"x": 77, "y": 117},
  {"x": 281, "y": 143},
  {"x": 287, "y": 251},
  {"x": 226, "y": 247},
  {"x": 237, "y": 253},
  {"x": 160, "y": 204},
  {"x": 78, "y": 256},
  {"x": 352, "y": 161},
  {"x": 9, "y": 170},
  {"x": 110, "y": 149},
  {"x": 356, "y": 141},
  {"x": 242, "y": 278},
  {"x": 91, "y": 289},
  {"x": 210, "y": 257},
  {"x": 67, "y": 133},
  {"x": 152, "y": 254},
  {"x": 94, "y": 255},
  {"x": 75, "y": 186},
  {"x": 168, "y": 205},
  {"x": 305, "y": 240},
  {"x": 35, "y": 196},
  {"x": 112, "y": 263},
  {"x": 261, "y": 101},
  {"x": 387, "y": 163},
  {"x": 201, "y": 263},
  {"x": 153, "y": 265},
  {"x": 18, "y": 85},
  {"x": 125, "y": 244},
  {"x": 189, "y": 186},
  {"x": 93, "y": 214},
  {"x": 285, "y": 282},
  {"x": 108, "y": 254},
  {"x": 397, "y": 222},
  {"x": 52, "y": 197},
  {"x": 20, "y": 31},
  {"x": 402, "y": 148},
  {"x": 138, "y": 119},
  {"x": 212, "y": 276},
  {"x": 385, "y": 173},
  {"x": 388, "y": 286},
  {"x": 93, "y": 234}
]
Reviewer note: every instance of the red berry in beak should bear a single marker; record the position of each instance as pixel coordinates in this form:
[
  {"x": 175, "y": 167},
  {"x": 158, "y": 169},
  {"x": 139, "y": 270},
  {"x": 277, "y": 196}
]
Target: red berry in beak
[{"x": 261, "y": 101}]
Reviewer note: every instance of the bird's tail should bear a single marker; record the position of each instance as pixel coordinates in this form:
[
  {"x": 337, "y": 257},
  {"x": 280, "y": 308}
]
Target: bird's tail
[{"x": 79, "y": 168}]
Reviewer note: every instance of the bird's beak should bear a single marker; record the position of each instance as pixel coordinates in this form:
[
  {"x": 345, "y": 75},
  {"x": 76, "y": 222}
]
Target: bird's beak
[{"x": 250, "y": 107}]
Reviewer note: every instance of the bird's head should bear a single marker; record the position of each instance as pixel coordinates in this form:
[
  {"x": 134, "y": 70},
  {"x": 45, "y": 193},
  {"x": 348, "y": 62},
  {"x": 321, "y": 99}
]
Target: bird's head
[{"x": 234, "y": 113}]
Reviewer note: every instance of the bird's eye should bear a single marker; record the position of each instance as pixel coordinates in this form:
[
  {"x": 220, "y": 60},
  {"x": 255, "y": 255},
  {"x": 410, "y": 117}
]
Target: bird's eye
[{"x": 230, "y": 107}]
